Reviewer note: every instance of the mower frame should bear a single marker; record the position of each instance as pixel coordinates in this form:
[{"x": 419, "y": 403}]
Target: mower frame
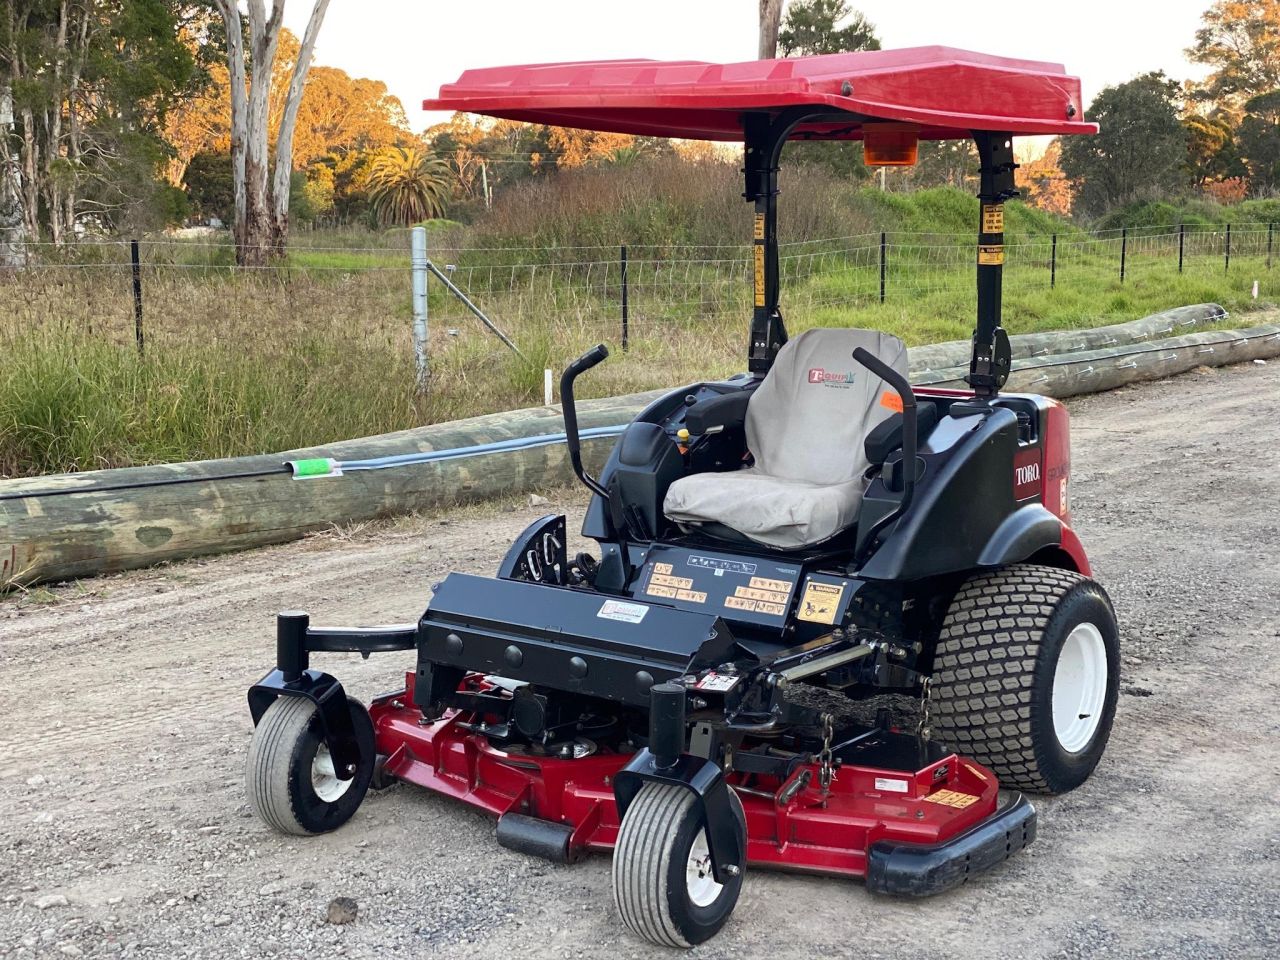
[{"x": 558, "y": 694}]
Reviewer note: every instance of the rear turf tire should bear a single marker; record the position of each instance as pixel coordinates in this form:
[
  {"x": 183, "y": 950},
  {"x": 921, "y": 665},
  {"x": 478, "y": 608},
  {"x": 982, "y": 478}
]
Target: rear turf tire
[
  {"x": 1016, "y": 643},
  {"x": 661, "y": 878},
  {"x": 289, "y": 774}
]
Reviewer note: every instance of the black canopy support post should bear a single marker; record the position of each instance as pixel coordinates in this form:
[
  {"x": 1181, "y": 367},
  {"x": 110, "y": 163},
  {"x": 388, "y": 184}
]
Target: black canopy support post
[
  {"x": 989, "y": 366},
  {"x": 764, "y": 137}
]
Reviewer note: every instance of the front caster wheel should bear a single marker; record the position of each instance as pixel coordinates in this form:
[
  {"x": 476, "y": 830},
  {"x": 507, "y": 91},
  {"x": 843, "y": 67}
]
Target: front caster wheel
[
  {"x": 289, "y": 776},
  {"x": 662, "y": 881}
]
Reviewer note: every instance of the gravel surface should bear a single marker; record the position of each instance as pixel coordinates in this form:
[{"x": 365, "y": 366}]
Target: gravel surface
[{"x": 124, "y": 828}]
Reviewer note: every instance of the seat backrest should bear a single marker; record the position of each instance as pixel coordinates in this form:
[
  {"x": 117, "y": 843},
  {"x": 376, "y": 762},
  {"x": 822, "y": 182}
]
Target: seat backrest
[{"x": 808, "y": 420}]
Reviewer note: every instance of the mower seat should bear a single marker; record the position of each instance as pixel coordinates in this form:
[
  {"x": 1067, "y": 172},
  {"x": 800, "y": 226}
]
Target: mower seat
[{"x": 806, "y": 425}]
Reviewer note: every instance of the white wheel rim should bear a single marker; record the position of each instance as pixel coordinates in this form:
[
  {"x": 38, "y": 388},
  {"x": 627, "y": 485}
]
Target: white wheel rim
[
  {"x": 698, "y": 878},
  {"x": 1079, "y": 687},
  {"x": 324, "y": 778}
]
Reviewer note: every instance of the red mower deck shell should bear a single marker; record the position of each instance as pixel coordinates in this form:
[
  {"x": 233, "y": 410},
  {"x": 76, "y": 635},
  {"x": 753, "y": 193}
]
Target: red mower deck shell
[
  {"x": 809, "y": 833},
  {"x": 945, "y": 92}
]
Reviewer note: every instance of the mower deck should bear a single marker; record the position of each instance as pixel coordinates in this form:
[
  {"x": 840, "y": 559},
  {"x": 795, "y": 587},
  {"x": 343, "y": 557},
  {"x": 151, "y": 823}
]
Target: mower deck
[{"x": 907, "y": 815}]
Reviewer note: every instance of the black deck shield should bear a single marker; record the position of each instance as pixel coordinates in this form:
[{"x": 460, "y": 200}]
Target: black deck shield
[{"x": 566, "y": 639}]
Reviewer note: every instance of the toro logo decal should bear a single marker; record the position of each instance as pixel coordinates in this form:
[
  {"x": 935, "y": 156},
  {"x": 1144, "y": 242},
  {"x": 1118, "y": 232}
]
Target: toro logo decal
[
  {"x": 833, "y": 378},
  {"x": 1026, "y": 474}
]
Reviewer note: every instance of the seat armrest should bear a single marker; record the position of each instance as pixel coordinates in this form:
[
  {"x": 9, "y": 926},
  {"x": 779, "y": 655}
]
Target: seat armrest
[
  {"x": 714, "y": 414},
  {"x": 886, "y": 436}
]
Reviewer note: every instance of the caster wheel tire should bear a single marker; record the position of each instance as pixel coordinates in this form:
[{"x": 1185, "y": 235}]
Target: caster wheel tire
[
  {"x": 662, "y": 881},
  {"x": 290, "y": 777},
  {"x": 1026, "y": 676}
]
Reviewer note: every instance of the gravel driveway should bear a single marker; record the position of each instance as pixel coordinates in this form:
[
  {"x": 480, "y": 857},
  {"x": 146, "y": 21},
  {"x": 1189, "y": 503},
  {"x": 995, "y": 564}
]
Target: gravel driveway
[{"x": 124, "y": 828}]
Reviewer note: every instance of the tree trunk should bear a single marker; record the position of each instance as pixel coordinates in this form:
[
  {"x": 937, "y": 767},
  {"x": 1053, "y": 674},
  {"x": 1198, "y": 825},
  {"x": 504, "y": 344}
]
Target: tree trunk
[
  {"x": 284, "y": 138},
  {"x": 770, "y": 19},
  {"x": 264, "y": 31},
  {"x": 239, "y": 119},
  {"x": 12, "y": 222}
]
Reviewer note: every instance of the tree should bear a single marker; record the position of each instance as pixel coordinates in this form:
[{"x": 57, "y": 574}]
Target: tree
[
  {"x": 90, "y": 82},
  {"x": 1212, "y": 152},
  {"x": 1240, "y": 40},
  {"x": 407, "y": 185},
  {"x": 1043, "y": 183},
  {"x": 815, "y": 27},
  {"x": 1140, "y": 151},
  {"x": 261, "y": 223},
  {"x": 1260, "y": 141},
  {"x": 770, "y": 16}
]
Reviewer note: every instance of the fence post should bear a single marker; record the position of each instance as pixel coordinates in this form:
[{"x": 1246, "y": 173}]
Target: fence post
[
  {"x": 1124, "y": 249},
  {"x": 1270, "y": 226},
  {"x": 1053, "y": 263},
  {"x": 1227, "y": 254},
  {"x": 625, "y": 316},
  {"x": 883, "y": 262},
  {"x": 136, "y": 261},
  {"x": 418, "y": 265},
  {"x": 1182, "y": 237}
]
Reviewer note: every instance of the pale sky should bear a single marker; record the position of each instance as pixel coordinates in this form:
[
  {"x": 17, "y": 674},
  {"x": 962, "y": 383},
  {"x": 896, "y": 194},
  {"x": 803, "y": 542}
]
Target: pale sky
[{"x": 416, "y": 45}]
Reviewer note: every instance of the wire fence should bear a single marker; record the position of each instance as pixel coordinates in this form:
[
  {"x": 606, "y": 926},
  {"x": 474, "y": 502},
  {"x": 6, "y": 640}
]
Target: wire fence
[{"x": 158, "y": 294}]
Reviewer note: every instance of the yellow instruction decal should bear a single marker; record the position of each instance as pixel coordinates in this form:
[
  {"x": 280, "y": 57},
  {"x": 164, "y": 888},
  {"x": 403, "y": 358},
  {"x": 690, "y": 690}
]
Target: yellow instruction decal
[
  {"x": 759, "y": 248},
  {"x": 768, "y": 596},
  {"x": 764, "y": 583},
  {"x": 820, "y": 602},
  {"x": 758, "y": 234},
  {"x": 657, "y": 590},
  {"x": 991, "y": 255},
  {"x": 693, "y": 596},
  {"x": 993, "y": 218},
  {"x": 662, "y": 568},
  {"x": 680, "y": 583},
  {"x": 952, "y": 798}
]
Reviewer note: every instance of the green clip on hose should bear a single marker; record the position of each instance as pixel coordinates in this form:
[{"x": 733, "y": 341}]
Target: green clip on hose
[{"x": 319, "y": 467}]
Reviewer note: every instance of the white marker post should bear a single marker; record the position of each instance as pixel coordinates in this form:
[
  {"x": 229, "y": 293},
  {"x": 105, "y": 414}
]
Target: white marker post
[
  {"x": 418, "y": 262},
  {"x": 546, "y": 388}
]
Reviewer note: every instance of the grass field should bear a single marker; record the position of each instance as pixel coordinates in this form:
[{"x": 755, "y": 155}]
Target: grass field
[{"x": 319, "y": 349}]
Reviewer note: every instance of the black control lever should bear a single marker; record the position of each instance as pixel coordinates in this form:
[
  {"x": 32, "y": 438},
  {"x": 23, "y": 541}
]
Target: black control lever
[
  {"x": 903, "y": 389},
  {"x": 584, "y": 363}
]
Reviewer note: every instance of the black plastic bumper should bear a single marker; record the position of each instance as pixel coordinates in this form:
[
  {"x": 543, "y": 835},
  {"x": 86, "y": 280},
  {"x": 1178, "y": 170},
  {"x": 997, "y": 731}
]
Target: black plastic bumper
[{"x": 920, "y": 870}]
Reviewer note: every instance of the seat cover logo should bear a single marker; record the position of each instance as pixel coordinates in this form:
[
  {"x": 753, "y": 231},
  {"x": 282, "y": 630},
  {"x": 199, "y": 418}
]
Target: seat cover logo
[{"x": 832, "y": 377}]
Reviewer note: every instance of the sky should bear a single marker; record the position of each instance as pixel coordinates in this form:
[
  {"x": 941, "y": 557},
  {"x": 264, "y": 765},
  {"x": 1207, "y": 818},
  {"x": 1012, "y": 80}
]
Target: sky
[{"x": 416, "y": 45}]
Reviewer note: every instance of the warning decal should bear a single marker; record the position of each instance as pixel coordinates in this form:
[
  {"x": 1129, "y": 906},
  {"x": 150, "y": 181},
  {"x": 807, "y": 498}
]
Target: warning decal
[
  {"x": 991, "y": 255},
  {"x": 758, "y": 234},
  {"x": 992, "y": 218},
  {"x": 820, "y": 602},
  {"x": 952, "y": 798}
]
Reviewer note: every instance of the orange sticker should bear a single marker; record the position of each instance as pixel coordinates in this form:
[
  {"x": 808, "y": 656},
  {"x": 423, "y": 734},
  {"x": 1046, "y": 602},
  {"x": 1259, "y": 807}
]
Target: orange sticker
[{"x": 892, "y": 401}]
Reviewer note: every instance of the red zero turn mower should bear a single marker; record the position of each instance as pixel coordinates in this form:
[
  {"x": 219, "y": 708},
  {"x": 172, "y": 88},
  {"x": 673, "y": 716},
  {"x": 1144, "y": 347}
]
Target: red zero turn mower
[{"x": 777, "y": 552}]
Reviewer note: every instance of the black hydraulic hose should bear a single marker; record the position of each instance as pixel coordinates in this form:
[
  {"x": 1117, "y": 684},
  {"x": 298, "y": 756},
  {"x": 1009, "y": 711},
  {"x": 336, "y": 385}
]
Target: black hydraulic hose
[
  {"x": 903, "y": 389},
  {"x": 584, "y": 363},
  {"x": 146, "y": 484}
]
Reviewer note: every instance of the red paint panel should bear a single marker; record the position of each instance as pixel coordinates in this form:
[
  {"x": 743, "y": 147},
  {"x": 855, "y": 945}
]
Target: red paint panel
[
  {"x": 811, "y": 833},
  {"x": 944, "y": 91},
  {"x": 1056, "y": 441},
  {"x": 1027, "y": 473}
]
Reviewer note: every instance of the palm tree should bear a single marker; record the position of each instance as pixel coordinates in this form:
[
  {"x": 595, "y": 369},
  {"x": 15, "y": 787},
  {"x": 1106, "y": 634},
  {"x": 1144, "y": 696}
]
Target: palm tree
[{"x": 407, "y": 185}]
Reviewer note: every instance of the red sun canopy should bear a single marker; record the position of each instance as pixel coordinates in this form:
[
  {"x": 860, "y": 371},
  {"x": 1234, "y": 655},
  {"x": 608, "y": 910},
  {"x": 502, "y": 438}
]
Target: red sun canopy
[{"x": 943, "y": 91}]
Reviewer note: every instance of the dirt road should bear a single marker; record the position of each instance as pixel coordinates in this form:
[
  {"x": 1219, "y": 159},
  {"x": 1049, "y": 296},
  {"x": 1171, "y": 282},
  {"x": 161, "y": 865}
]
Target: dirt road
[{"x": 124, "y": 827}]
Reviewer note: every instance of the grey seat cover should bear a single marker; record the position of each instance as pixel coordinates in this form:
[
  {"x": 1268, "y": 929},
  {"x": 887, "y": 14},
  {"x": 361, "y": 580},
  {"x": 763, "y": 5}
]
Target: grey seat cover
[{"x": 806, "y": 425}]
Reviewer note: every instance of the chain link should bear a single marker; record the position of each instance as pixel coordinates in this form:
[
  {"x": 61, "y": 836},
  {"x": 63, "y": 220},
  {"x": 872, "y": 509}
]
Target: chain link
[
  {"x": 826, "y": 768},
  {"x": 923, "y": 729}
]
